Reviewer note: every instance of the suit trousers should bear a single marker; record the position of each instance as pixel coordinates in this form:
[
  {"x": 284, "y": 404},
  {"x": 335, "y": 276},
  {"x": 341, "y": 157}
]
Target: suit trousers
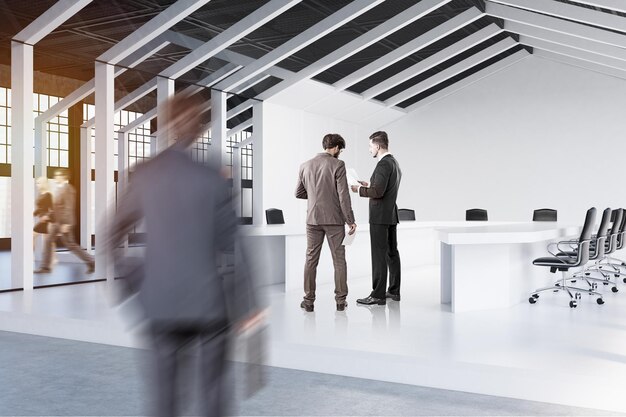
[
  {"x": 385, "y": 256},
  {"x": 168, "y": 345},
  {"x": 315, "y": 238},
  {"x": 68, "y": 240}
]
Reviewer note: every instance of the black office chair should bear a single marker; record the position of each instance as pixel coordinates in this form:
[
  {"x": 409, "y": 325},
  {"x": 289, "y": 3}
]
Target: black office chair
[
  {"x": 613, "y": 262},
  {"x": 562, "y": 261},
  {"x": 597, "y": 251},
  {"x": 406, "y": 214},
  {"x": 274, "y": 216},
  {"x": 544, "y": 215},
  {"x": 476, "y": 214},
  {"x": 602, "y": 266}
]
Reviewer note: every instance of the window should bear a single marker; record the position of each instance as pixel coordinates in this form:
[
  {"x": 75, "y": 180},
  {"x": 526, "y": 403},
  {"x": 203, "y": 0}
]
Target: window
[{"x": 5, "y": 125}]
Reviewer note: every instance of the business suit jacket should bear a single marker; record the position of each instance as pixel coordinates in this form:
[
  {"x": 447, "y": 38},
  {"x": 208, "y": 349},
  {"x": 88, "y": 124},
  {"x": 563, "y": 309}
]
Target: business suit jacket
[
  {"x": 63, "y": 205},
  {"x": 189, "y": 220},
  {"x": 322, "y": 181},
  {"x": 383, "y": 191}
]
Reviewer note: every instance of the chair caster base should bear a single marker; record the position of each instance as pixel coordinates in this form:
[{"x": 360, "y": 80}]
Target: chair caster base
[
  {"x": 573, "y": 304},
  {"x": 600, "y": 301}
]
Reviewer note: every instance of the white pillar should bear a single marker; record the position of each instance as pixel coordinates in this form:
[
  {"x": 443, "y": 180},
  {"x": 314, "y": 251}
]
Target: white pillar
[
  {"x": 218, "y": 127},
  {"x": 237, "y": 180},
  {"x": 122, "y": 168},
  {"x": 85, "y": 188},
  {"x": 258, "y": 210},
  {"x": 165, "y": 89},
  {"x": 41, "y": 146},
  {"x": 105, "y": 187},
  {"x": 22, "y": 159}
]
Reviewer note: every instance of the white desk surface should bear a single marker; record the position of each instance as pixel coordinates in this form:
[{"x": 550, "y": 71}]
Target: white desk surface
[
  {"x": 300, "y": 229},
  {"x": 506, "y": 233}
]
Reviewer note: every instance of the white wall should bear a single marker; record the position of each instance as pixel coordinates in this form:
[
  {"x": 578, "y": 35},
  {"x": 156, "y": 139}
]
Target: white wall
[
  {"x": 537, "y": 134},
  {"x": 293, "y": 136}
]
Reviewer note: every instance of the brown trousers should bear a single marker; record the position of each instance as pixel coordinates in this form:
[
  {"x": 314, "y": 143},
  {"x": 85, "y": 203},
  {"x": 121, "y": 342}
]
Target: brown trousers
[
  {"x": 315, "y": 239},
  {"x": 54, "y": 231}
]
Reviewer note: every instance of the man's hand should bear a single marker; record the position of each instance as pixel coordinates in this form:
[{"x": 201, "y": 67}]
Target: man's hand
[
  {"x": 65, "y": 228},
  {"x": 354, "y": 188},
  {"x": 352, "y": 228},
  {"x": 252, "y": 321},
  {"x": 364, "y": 183}
]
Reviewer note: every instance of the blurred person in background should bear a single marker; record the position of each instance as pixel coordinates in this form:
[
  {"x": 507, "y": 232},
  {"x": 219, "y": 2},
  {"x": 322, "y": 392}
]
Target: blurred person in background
[
  {"x": 185, "y": 297},
  {"x": 43, "y": 211},
  {"x": 62, "y": 224}
]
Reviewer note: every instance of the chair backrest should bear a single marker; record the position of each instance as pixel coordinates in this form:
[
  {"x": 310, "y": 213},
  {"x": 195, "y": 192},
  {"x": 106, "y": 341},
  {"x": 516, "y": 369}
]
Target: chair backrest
[
  {"x": 476, "y": 214},
  {"x": 406, "y": 214},
  {"x": 615, "y": 229},
  {"x": 274, "y": 216},
  {"x": 544, "y": 215},
  {"x": 622, "y": 231},
  {"x": 598, "y": 250},
  {"x": 585, "y": 237}
]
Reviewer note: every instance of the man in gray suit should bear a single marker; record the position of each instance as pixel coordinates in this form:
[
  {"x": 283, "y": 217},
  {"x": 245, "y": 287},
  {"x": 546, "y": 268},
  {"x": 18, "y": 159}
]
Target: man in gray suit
[
  {"x": 63, "y": 223},
  {"x": 322, "y": 181},
  {"x": 189, "y": 223}
]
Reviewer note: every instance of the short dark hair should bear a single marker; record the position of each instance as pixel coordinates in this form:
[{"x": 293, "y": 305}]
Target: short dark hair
[
  {"x": 63, "y": 171},
  {"x": 333, "y": 139},
  {"x": 380, "y": 138}
]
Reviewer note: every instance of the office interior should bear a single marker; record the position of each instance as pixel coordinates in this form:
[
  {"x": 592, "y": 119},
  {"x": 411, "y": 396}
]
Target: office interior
[{"x": 505, "y": 105}]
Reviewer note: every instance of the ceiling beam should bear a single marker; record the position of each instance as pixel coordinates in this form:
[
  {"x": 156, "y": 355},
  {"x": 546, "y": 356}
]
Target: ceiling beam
[
  {"x": 450, "y": 72},
  {"x": 575, "y": 62},
  {"x": 433, "y": 60},
  {"x": 243, "y": 27},
  {"x": 565, "y": 40},
  {"x": 226, "y": 55},
  {"x": 89, "y": 87},
  {"x": 250, "y": 83},
  {"x": 52, "y": 18},
  {"x": 457, "y": 22},
  {"x": 615, "y": 5},
  {"x": 574, "y": 53},
  {"x": 239, "y": 128},
  {"x": 555, "y": 24},
  {"x": 150, "y": 30},
  {"x": 128, "y": 99},
  {"x": 465, "y": 82},
  {"x": 569, "y": 12},
  {"x": 298, "y": 42},
  {"x": 372, "y": 36}
]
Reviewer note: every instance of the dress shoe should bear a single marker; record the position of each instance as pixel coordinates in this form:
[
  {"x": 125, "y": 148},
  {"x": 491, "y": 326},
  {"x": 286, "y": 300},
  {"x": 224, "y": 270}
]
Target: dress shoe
[
  {"x": 342, "y": 306},
  {"x": 307, "y": 307},
  {"x": 91, "y": 267},
  {"x": 372, "y": 300},
  {"x": 43, "y": 270},
  {"x": 394, "y": 297}
]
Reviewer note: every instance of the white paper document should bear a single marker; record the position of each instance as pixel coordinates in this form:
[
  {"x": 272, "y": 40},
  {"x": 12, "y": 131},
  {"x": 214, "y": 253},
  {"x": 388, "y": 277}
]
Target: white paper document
[
  {"x": 348, "y": 239},
  {"x": 352, "y": 176}
]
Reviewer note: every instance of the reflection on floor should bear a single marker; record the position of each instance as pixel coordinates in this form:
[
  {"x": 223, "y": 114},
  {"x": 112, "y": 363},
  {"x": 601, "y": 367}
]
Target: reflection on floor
[
  {"x": 62, "y": 272},
  {"x": 544, "y": 352}
]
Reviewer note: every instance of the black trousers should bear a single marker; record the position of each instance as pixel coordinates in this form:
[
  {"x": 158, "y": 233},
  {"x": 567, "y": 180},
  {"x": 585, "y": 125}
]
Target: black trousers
[
  {"x": 167, "y": 345},
  {"x": 385, "y": 255}
]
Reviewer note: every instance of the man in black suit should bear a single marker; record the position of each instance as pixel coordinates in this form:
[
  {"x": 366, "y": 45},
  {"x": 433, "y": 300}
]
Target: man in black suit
[{"x": 383, "y": 192}]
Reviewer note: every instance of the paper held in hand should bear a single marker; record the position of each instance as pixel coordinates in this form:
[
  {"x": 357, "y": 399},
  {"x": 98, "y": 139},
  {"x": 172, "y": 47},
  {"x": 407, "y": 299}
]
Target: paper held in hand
[
  {"x": 352, "y": 177},
  {"x": 348, "y": 239}
]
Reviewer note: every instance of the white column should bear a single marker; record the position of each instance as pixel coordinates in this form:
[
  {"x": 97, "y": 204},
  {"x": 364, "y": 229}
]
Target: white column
[
  {"x": 40, "y": 149},
  {"x": 237, "y": 180},
  {"x": 122, "y": 167},
  {"x": 85, "y": 188},
  {"x": 218, "y": 127},
  {"x": 105, "y": 187},
  {"x": 22, "y": 159},
  {"x": 165, "y": 89},
  {"x": 258, "y": 210}
]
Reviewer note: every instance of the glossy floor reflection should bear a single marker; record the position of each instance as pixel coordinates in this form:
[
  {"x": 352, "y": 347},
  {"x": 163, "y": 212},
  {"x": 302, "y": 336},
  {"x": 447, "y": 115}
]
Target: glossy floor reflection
[{"x": 543, "y": 352}]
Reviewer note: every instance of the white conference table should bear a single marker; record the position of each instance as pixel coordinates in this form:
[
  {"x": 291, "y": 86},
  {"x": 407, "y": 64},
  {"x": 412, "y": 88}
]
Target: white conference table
[
  {"x": 490, "y": 267},
  {"x": 280, "y": 251}
]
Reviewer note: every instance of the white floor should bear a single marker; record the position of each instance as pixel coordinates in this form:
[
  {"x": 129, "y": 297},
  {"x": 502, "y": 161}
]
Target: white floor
[{"x": 543, "y": 352}]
